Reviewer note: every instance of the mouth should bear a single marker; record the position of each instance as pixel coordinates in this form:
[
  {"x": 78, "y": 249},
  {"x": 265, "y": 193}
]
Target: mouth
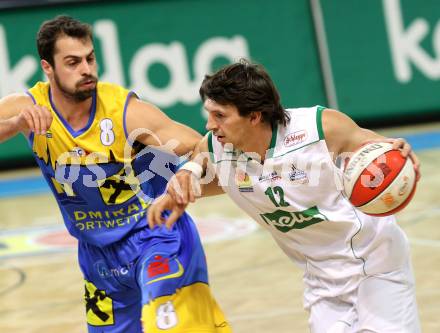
[{"x": 87, "y": 83}]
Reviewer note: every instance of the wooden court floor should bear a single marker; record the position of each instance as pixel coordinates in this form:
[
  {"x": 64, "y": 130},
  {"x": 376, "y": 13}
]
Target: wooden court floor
[{"x": 259, "y": 289}]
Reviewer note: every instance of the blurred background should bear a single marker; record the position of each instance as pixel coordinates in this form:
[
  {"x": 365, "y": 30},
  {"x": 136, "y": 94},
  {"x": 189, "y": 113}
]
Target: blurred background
[{"x": 377, "y": 61}]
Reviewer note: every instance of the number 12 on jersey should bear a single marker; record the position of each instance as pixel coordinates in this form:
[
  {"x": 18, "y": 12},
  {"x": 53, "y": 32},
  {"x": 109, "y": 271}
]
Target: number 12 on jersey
[{"x": 276, "y": 195}]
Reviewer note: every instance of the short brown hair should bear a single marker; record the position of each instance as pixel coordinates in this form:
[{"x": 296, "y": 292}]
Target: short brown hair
[
  {"x": 52, "y": 29},
  {"x": 248, "y": 87}
]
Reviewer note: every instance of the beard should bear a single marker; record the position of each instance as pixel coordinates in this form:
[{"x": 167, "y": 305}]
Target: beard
[{"x": 77, "y": 94}]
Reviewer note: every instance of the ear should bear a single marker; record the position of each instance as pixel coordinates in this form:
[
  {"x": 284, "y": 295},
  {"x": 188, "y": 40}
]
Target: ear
[
  {"x": 47, "y": 68},
  {"x": 256, "y": 117}
]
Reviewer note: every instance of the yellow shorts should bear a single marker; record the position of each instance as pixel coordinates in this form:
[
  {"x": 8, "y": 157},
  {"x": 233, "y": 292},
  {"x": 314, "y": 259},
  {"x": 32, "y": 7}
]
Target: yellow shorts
[{"x": 191, "y": 309}]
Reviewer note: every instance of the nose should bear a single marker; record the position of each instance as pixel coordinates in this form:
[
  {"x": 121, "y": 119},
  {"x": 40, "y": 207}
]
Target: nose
[
  {"x": 210, "y": 123},
  {"x": 86, "y": 68}
]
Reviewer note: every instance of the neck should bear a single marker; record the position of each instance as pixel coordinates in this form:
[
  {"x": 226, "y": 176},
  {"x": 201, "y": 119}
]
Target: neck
[
  {"x": 259, "y": 140},
  {"x": 76, "y": 113}
]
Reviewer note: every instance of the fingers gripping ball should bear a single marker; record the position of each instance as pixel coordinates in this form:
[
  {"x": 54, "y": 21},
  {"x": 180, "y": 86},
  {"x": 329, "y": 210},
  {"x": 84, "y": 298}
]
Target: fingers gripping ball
[{"x": 378, "y": 180}]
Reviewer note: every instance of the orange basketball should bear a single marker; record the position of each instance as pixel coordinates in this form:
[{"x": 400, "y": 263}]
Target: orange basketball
[{"x": 378, "y": 180}]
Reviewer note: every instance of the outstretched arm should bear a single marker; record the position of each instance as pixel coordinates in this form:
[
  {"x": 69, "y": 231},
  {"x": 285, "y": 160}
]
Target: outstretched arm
[{"x": 150, "y": 126}]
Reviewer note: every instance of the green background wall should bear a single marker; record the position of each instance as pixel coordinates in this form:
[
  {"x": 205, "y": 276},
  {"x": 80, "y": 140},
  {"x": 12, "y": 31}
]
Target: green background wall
[{"x": 162, "y": 49}]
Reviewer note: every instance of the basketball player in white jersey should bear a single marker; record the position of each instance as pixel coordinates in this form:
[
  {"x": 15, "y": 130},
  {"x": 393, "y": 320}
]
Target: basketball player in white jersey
[{"x": 281, "y": 167}]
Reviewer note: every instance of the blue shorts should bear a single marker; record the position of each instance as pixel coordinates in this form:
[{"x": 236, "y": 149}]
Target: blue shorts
[{"x": 152, "y": 281}]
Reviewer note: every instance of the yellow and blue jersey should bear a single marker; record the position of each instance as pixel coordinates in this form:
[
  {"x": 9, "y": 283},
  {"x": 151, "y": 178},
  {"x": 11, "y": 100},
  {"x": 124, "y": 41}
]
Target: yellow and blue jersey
[{"x": 102, "y": 184}]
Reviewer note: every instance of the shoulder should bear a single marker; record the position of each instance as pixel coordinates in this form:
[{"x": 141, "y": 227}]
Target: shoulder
[
  {"x": 336, "y": 127},
  {"x": 113, "y": 91},
  {"x": 139, "y": 107},
  {"x": 306, "y": 110},
  {"x": 306, "y": 116},
  {"x": 333, "y": 121},
  {"x": 39, "y": 92},
  {"x": 141, "y": 114},
  {"x": 104, "y": 86},
  {"x": 21, "y": 99},
  {"x": 304, "y": 127}
]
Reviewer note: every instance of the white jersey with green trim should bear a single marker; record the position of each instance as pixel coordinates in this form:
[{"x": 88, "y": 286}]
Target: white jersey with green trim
[{"x": 297, "y": 195}]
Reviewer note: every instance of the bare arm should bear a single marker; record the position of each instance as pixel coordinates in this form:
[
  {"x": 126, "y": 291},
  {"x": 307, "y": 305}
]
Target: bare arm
[
  {"x": 19, "y": 114},
  {"x": 343, "y": 135},
  {"x": 11, "y": 105},
  {"x": 9, "y": 128},
  {"x": 152, "y": 127}
]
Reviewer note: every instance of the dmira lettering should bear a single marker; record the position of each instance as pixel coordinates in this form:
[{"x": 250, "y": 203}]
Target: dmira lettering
[
  {"x": 109, "y": 224},
  {"x": 108, "y": 219}
]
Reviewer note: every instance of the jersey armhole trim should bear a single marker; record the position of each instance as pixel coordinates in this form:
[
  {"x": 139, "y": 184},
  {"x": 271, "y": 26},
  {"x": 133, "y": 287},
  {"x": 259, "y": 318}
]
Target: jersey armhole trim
[
  {"x": 30, "y": 140},
  {"x": 210, "y": 147},
  {"x": 319, "y": 121},
  {"x": 273, "y": 140},
  {"x": 30, "y": 137},
  {"x": 124, "y": 117},
  {"x": 31, "y": 96}
]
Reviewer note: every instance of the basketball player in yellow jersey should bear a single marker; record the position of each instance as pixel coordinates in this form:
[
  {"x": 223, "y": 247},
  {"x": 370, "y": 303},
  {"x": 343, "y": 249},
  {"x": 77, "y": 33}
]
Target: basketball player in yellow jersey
[{"x": 94, "y": 143}]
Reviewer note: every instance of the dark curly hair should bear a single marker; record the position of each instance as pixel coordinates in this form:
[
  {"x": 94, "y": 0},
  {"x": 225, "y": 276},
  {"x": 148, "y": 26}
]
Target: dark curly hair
[
  {"x": 248, "y": 87},
  {"x": 51, "y": 30}
]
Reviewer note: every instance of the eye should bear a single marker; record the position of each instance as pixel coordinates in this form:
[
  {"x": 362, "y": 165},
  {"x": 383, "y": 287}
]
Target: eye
[
  {"x": 72, "y": 63},
  {"x": 91, "y": 60}
]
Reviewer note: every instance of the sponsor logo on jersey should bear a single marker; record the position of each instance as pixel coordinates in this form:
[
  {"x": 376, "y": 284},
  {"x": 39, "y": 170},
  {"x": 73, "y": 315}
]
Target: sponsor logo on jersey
[
  {"x": 78, "y": 152},
  {"x": 159, "y": 267},
  {"x": 119, "y": 187},
  {"x": 269, "y": 177},
  {"x": 285, "y": 221},
  {"x": 243, "y": 181},
  {"x": 99, "y": 307},
  {"x": 298, "y": 176},
  {"x": 86, "y": 220},
  {"x": 231, "y": 152},
  {"x": 105, "y": 272},
  {"x": 49, "y": 135},
  {"x": 292, "y": 139}
]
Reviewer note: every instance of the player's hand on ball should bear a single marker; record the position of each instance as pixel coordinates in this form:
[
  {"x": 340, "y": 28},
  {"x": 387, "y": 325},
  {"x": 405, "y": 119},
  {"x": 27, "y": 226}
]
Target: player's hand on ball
[
  {"x": 406, "y": 150},
  {"x": 161, "y": 204},
  {"x": 34, "y": 118}
]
